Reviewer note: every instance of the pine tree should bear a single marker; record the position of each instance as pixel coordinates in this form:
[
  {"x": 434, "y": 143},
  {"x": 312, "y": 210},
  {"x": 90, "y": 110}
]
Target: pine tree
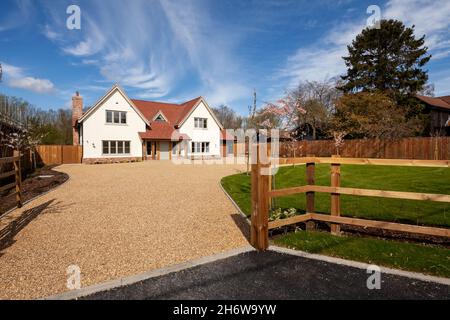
[{"x": 389, "y": 60}]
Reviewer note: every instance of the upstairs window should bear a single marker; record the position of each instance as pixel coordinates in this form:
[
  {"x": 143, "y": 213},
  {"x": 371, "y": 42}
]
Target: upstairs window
[
  {"x": 116, "y": 117},
  {"x": 201, "y": 123},
  {"x": 160, "y": 118}
]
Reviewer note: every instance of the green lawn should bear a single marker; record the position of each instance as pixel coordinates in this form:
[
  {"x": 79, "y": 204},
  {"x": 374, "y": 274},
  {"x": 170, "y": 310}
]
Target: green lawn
[
  {"x": 400, "y": 255},
  {"x": 413, "y": 179}
]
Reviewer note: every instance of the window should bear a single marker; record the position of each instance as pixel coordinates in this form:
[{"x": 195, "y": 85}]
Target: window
[
  {"x": 200, "y": 147},
  {"x": 230, "y": 147},
  {"x": 201, "y": 123},
  {"x": 118, "y": 117},
  {"x": 160, "y": 118},
  {"x": 105, "y": 147},
  {"x": 116, "y": 147},
  {"x": 112, "y": 147}
]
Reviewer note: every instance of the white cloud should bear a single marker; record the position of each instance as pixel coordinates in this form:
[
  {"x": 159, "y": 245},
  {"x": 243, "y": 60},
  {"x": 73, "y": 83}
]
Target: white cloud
[
  {"x": 50, "y": 33},
  {"x": 430, "y": 17},
  {"x": 16, "y": 78},
  {"x": 323, "y": 59},
  {"x": 153, "y": 46},
  {"x": 32, "y": 84}
]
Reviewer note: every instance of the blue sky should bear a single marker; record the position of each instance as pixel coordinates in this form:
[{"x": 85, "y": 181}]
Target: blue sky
[{"x": 175, "y": 50}]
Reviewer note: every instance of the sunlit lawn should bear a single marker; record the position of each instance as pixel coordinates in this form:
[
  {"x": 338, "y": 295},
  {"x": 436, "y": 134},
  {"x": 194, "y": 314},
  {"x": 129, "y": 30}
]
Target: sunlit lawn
[{"x": 413, "y": 179}]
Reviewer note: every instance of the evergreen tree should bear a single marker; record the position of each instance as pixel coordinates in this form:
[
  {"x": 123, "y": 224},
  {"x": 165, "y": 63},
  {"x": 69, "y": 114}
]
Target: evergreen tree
[{"x": 388, "y": 60}]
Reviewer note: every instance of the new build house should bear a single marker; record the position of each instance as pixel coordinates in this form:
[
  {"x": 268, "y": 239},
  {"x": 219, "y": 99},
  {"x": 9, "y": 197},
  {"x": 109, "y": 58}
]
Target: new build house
[{"x": 118, "y": 128}]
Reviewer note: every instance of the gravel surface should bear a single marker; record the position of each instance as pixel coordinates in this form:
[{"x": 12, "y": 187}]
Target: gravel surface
[{"x": 115, "y": 221}]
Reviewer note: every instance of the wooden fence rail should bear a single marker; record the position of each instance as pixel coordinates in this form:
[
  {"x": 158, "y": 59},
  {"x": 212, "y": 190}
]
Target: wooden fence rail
[
  {"x": 262, "y": 194},
  {"x": 17, "y": 173}
]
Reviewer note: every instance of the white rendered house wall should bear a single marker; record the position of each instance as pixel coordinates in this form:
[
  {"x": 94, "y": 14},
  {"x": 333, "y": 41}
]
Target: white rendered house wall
[
  {"x": 95, "y": 129},
  {"x": 211, "y": 134}
]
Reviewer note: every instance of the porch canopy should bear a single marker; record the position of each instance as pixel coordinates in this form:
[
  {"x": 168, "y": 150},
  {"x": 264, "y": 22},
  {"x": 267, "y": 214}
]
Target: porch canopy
[{"x": 163, "y": 131}]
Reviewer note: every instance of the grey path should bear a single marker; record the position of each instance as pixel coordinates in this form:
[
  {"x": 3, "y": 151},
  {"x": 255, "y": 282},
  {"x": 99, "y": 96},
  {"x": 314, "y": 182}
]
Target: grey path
[{"x": 274, "y": 275}]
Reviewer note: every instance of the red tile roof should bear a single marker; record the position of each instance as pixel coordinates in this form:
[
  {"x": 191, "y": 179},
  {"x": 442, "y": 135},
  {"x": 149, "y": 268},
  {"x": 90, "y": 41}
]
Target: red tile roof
[
  {"x": 440, "y": 102},
  {"x": 446, "y": 99},
  {"x": 174, "y": 114}
]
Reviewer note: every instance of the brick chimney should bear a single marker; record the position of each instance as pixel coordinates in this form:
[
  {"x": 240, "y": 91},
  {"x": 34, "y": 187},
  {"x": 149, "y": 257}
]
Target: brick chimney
[{"x": 77, "y": 112}]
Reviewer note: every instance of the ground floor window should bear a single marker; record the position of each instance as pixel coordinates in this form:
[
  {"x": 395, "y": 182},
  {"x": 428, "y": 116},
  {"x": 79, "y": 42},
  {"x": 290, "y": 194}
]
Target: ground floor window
[
  {"x": 230, "y": 147},
  {"x": 200, "y": 147},
  {"x": 116, "y": 147}
]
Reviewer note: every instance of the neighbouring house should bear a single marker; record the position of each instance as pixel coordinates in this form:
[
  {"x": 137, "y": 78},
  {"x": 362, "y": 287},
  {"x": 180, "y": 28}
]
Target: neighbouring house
[
  {"x": 118, "y": 128},
  {"x": 439, "y": 110}
]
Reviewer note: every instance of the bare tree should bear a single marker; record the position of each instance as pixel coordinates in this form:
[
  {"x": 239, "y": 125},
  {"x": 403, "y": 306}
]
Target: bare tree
[
  {"x": 228, "y": 117},
  {"x": 318, "y": 100}
]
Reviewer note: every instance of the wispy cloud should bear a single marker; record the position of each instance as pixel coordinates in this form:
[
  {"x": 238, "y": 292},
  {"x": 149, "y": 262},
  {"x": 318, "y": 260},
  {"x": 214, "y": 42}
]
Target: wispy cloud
[
  {"x": 323, "y": 58},
  {"x": 15, "y": 77},
  {"x": 152, "y": 46},
  {"x": 430, "y": 17},
  {"x": 15, "y": 18}
]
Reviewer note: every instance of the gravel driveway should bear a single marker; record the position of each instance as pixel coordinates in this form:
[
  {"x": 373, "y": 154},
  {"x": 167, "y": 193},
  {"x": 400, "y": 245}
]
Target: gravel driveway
[{"x": 114, "y": 221}]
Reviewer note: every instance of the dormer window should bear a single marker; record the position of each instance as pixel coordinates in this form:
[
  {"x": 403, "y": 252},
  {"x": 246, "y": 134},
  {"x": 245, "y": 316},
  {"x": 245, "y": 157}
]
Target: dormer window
[{"x": 160, "y": 117}]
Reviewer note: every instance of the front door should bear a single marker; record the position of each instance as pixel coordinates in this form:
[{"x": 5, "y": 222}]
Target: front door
[
  {"x": 164, "y": 150},
  {"x": 150, "y": 150}
]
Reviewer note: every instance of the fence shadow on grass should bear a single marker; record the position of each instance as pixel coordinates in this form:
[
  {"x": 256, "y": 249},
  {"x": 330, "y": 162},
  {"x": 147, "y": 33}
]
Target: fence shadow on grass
[
  {"x": 242, "y": 224},
  {"x": 12, "y": 226}
]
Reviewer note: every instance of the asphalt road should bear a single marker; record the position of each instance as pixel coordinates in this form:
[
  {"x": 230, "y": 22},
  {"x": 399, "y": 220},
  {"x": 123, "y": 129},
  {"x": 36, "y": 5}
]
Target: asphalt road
[{"x": 273, "y": 275}]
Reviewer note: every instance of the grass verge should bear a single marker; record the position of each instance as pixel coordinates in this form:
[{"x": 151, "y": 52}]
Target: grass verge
[{"x": 400, "y": 255}]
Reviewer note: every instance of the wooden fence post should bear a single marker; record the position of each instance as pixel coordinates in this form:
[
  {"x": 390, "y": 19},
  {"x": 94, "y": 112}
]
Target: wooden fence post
[
  {"x": 259, "y": 234},
  {"x": 18, "y": 177},
  {"x": 335, "y": 197},
  {"x": 262, "y": 218},
  {"x": 254, "y": 205},
  {"x": 310, "y": 180}
]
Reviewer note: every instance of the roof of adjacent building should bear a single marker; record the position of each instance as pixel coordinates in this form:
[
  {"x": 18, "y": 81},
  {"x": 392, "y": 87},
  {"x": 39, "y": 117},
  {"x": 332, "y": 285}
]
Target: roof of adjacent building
[{"x": 438, "y": 102}]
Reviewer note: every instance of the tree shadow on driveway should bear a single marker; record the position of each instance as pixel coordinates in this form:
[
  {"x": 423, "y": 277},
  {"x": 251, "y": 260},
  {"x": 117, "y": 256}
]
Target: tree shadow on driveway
[{"x": 13, "y": 225}]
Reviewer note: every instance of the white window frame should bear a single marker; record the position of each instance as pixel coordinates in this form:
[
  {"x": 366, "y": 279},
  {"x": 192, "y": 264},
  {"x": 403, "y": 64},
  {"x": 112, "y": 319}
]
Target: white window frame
[
  {"x": 121, "y": 115},
  {"x": 201, "y": 147},
  {"x": 116, "y": 143},
  {"x": 200, "y": 123}
]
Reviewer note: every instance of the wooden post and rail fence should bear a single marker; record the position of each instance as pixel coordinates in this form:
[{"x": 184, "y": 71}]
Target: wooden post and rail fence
[
  {"x": 261, "y": 195},
  {"x": 16, "y": 172}
]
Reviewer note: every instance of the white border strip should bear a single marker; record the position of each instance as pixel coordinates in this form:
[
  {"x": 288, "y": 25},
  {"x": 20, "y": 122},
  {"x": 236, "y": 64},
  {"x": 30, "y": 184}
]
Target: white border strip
[
  {"x": 75, "y": 294},
  {"x": 361, "y": 265}
]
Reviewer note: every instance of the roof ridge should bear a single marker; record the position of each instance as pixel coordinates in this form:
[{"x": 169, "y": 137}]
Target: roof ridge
[{"x": 169, "y": 103}]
